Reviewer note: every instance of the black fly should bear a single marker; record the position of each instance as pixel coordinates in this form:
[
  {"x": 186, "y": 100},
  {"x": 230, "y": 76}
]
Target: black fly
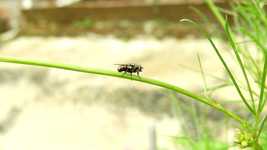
[{"x": 129, "y": 68}]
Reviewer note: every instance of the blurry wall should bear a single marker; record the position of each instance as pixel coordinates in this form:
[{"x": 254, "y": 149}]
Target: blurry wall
[
  {"x": 27, "y": 4},
  {"x": 10, "y": 15}
]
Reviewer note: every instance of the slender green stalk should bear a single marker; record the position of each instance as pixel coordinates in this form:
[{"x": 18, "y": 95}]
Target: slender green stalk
[
  {"x": 261, "y": 126},
  {"x": 262, "y": 89},
  {"x": 217, "y": 78},
  {"x": 231, "y": 76},
  {"x": 218, "y": 87},
  {"x": 199, "y": 71},
  {"x": 121, "y": 75},
  {"x": 216, "y": 12},
  {"x": 252, "y": 67},
  {"x": 202, "y": 74},
  {"x": 223, "y": 62},
  {"x": 260, "y": 11},
  {"x": 255, "y": 40},
  {"x": 237, "y": 51},
  {"x": 252, "y": 23}
]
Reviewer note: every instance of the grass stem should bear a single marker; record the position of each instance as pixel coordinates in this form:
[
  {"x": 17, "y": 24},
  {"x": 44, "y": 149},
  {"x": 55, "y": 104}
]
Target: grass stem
[{"x": 177, "y": 89}]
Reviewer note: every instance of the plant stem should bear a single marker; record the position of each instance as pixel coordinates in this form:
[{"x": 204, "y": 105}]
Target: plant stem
[
  {"x": 223, "y": 62},
  {"x": 262, "y": 100},
  {"x": 236, "y": 50},
  {"x": 216, "y": 12},
  {"x": 231, "y": 76},
  {"x": 261, "y": 125},
  {"x": 121, "y": 75}
]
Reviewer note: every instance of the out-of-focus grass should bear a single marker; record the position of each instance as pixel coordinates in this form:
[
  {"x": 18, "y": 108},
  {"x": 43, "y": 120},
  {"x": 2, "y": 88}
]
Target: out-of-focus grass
[
  {"x": 247, "y": 40},
  {"x": 205, "y": 142},
  {"x": 196, "y": 125},
  {"x": 251, "y": 57}
]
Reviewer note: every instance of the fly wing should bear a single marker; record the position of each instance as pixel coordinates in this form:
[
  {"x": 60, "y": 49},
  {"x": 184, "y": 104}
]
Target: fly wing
[{"x": 121, "y": 64}]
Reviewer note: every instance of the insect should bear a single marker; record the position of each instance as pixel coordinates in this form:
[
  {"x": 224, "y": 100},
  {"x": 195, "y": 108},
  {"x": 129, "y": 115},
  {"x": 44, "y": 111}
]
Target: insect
[{"x": 129, "y": 68}]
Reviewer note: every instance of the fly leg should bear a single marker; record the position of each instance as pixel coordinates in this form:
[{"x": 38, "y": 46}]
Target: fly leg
[
  {"x": 138, "y": 74},
  {"x": 124, "y": 72}
]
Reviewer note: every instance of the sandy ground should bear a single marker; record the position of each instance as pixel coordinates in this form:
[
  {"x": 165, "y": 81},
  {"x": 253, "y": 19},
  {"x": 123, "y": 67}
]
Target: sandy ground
[{"x": 61, "y": 110}]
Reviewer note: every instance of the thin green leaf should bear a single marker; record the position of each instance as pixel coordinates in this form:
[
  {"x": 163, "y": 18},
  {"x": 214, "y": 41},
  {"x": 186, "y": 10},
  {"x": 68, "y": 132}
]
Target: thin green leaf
[
  {"x": 262, "y": 100},
  {"x": 121, "y": 75},
  {"x": 223, "y": 62},
  {"x": 237, "y": 51},
  {"x": 216, "y": 12},
  {"x": 260, "y": 12},
  {"x": 261, "y": 126},
  {"x": 198, "y": 71},
  {"x": 255, "y": 40},
  {"x": 202, "y": 75}
]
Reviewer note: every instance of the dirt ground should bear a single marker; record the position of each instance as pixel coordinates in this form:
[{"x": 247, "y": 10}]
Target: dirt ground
[{"x": 56, "y": 109}]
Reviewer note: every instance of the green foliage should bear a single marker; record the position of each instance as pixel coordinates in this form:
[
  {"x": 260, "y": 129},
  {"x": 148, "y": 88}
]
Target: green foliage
[
  {"x": 205, "y": 142},
  {"x": 85, "y": 23},
  {"x": 194, "y": 96},
  {"x": 196, "y": 133},
  {"x": 244, "y": 138},
  {"x": 263, "y": 140},
  {"x": 250, "y": 25}
]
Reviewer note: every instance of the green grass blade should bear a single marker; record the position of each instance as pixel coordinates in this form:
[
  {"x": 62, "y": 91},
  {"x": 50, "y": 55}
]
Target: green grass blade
[
  {"x": 262, "y": 100},
  {"x": 216, "y": 12},
  {"x": 214, "y": 88},
  {"x": 255, "y": 40},
  {"x": 202, "y": 75},
  {"x": 261, "y": 126},
  {"x": 237, "y": 51},
  {"x": 165, "y": 85},
  {"x": 231, "y": 76},
  {"x": 259, "y": 11},
  {"x": 223, "y": 62},
  {"x": 199, "y": 71}
]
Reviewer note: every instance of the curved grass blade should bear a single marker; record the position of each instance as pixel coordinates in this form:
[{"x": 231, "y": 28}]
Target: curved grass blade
[
  {"x": 216, "y": 12},
  {"x": 262, "y": 89},
  {"x": 223, "y": 62},
  {"x": 202, "y": 75},
  {"x": 237, "y": 51},
  {"x": 165, "y": 85},
  {"x": 261, "y": 126}
]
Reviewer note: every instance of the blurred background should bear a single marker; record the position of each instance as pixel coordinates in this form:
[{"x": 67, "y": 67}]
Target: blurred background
[{"x": 43, "y": 108}]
